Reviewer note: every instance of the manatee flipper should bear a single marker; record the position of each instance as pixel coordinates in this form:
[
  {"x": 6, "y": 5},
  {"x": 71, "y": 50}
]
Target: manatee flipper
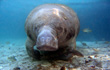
[
  {"x": 69, "y": 53},
  {"x": 30, "y": 49},
  {"x": 62, "y": 54},
  {"x": 75, "y": 52}
]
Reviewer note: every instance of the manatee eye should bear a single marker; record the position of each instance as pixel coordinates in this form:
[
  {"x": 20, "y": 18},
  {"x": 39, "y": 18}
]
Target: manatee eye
[
  {"x": 35, "y": 28},
  {"x": 60, "y": 29},
  {"x": 65, "y": 31}
]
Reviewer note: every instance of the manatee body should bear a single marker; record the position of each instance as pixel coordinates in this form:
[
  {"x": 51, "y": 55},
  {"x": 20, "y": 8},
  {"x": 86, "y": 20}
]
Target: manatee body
[{"x": 51, "y": 28}]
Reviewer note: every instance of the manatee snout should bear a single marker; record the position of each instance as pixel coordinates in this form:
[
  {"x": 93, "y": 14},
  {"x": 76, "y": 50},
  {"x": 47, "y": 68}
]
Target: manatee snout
[{"x": 47, "y": 42}]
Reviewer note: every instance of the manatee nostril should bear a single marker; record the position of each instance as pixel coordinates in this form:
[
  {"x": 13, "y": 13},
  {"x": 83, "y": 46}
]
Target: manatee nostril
[
  {"x": 42, "y": 39},
  {"x": 45, "y": 39}
]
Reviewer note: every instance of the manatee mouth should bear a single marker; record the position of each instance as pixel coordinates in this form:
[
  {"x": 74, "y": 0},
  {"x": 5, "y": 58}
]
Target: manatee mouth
[{"x": 46, "y": 48}]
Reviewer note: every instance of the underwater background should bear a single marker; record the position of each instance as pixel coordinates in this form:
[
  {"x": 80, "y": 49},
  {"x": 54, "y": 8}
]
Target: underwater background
[
  {"x": 93, "y": 15},
  {"x": 93, "y": 40}
]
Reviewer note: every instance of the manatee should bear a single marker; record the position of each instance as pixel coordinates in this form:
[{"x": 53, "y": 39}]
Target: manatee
[{"x": 51, "y": 32}]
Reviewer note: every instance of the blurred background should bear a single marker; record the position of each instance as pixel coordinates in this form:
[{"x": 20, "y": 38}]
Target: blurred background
[{"x": 94, "y": 18}]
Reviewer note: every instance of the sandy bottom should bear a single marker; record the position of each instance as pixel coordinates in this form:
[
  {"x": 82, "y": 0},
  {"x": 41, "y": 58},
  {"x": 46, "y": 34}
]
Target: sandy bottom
[{"x": 13, "y": 56}]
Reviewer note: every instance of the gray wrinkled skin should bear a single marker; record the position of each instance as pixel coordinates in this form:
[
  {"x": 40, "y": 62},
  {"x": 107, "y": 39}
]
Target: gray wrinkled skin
[{"x": 51, "y": 27}]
